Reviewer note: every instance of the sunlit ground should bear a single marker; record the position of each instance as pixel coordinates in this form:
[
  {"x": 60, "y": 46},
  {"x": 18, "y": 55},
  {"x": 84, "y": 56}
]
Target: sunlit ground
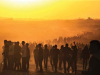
[{"x": 32, "y": 70}]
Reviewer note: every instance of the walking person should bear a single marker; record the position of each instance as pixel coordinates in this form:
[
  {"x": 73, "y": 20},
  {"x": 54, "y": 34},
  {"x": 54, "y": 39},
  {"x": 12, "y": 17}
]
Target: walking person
[
  {"x": 11, "y": 56},
  {"x": 36, "y": 56},
  {"x": 28, "y": 55},
  {"x": 55, "y": 57},
  {"x": 24, "y": 56},
  {"x": 40, "y": 57},
  {"x": 85, "y": 56},
  {"x": 5, "y": 54},
  {"x": 17, "y": 56},
  {"x": 46, "y": 55},
  {"x": 51, "y": 56},
  {"x": 61, "y": 57},
  {"x": 67, "y": 57},
  {"x": 74, "y": 59}
]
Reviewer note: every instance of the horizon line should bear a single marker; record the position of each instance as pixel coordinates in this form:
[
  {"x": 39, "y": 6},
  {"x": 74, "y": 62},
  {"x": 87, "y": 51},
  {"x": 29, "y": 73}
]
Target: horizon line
[{"x": 3, "y": 18}]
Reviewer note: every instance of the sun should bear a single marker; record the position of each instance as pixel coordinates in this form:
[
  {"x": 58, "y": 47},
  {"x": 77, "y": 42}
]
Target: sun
[
  {"x": 26, "y": 4},
  {"x": 23, "y": 2}
]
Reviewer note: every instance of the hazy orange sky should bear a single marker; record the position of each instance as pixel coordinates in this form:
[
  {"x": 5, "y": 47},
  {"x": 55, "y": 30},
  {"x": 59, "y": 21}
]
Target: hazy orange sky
[{"x": 50, "y": 9}]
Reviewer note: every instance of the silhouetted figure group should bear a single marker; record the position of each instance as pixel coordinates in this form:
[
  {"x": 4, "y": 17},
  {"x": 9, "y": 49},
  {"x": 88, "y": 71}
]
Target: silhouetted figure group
[
  {"x": 13, "y": 53},
  {"x": 65, "y": 54}
]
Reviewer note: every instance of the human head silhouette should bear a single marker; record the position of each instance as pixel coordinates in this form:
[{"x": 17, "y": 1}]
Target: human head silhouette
[
  {"x": 36, "y": 46},
  {"x": 45, "y": 46},
  {"x": 55, "y": 46},
  {"x": 62, "y": 46},
  {"x": 94, "y": 47},
  {"x": 39, "y": 45},
  {"x": 23, "y": 42},
  {"x": 5, "y": 42},
  {"x": 66, "y": 45},
  {"x": 27, "y": 44},
  {"x": 17, "y": 43}
]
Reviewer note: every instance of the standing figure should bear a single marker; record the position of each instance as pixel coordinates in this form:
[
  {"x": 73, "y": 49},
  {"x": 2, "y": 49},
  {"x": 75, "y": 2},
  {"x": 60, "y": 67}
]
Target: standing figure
[
  {"x": 85, "y": 56},
  {"x": 40, "y": 57},
  {"x": 11, "y": 55},
  {"x": 67, "y": 57},
  {"x": 51, "y": 56},
  {"x": 74, "y": 59},
  {"x": 61, "y": 57},
  {"x": 5, "y": 53},
  {"x": 28, "y": 55},
  {"x": 55, "y": 57},
  {"x": 17, "y": 56},
  {"x": 24, "y": 54},
  {"x": 36, "y": 56},
  {"x": 46, "y": 55}
]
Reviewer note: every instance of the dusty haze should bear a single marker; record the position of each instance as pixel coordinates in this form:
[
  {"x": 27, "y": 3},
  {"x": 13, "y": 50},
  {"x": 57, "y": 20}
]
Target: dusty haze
[{"x": 38, "y": 31}]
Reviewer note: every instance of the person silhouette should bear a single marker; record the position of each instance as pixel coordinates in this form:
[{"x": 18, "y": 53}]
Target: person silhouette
[
  {"x": 94, "y": 63},
  {"x": 85, "y": 56},
  {"x": 11, "y": 55},
  {"x": 55, "y": 57},
  {"x": 40, "y": 57},
  {"x": 17, "y": 56},
  {"x": 5, "y": 53},
  {"x": 67, "y": 57},
  {"x": 28, "y": 55},
  {"x": 61, "y": 57},
  {"x": 74, "y": 59},
  {"x": 8, "y": 58},
  {"x": 51, "y": 56},
  {"x": 24, "y": 56},
  {"x": 46, "y": 55},
  {"x": 36, "y": 56}
]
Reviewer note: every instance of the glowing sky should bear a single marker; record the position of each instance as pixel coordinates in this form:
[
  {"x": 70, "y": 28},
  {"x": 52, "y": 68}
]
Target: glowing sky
[{"x": 50, "y": 9}]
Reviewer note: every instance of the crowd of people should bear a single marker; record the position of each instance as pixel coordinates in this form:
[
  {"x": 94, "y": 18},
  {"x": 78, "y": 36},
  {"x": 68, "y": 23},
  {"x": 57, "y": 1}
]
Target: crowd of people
[
  {"x": 13, "y": 53},
  {"x": 62, "y": 56}
]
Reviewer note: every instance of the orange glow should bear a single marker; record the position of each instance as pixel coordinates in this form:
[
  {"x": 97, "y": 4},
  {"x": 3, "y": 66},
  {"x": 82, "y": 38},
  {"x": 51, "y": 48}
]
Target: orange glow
[
  {"x": 49, "y": 9},
  {"x": 19, "y": 17}
]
